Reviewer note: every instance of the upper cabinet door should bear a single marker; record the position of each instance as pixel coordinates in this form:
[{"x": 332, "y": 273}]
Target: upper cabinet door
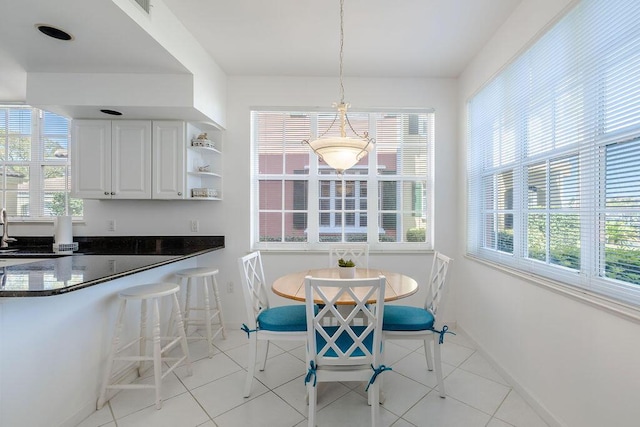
[
  {"x": 168, "y": 160},
  {"x": 131, "y": 159},
  {"x": 91, "y": 159}
]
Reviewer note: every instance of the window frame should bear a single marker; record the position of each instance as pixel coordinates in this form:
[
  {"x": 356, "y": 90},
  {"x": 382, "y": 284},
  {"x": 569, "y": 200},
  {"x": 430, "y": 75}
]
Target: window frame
[
  {"x": 569, "y": 123},
  {"x": 369, "y": 175},
  {"x": 36, "y": 165}
]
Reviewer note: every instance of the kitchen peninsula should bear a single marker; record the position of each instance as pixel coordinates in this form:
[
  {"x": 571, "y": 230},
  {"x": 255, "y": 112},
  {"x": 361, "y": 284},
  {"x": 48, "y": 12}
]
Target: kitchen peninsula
[
  {"x": 57, "y": 316},
  {"x": 98, "y": 260}
]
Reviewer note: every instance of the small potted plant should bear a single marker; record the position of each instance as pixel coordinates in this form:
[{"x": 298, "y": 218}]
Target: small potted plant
[{"x": 347, "y": 269}]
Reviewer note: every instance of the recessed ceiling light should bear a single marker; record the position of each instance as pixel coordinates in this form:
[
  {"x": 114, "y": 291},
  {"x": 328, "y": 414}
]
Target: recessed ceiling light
[
  {"x": 54, "y": 32},
  {"x": 112, "y": 112}
]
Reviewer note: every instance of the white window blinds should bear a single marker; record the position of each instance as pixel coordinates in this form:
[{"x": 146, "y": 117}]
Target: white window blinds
[
  {"x": 385, "y": 199},
  {"x": 34, "y": 164},
  {"x": 554, "y": 154}
]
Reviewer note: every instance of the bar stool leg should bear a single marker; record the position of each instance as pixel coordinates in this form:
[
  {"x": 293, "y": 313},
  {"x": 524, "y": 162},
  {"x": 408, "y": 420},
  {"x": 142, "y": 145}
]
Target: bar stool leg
[
  {"x": 157, "y": 363},
  {"x": 207, "y": 316},
  {"x": 143, "y": 336},
  {"x": 115, "y": 342},
  {"x": 187, "y": 304},
  {"x": 216, "y": 292},
  {"x": 183, "y": 336}
]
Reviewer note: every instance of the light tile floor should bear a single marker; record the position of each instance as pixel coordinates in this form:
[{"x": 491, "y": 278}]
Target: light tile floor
[{"x": 212, "y": 396}]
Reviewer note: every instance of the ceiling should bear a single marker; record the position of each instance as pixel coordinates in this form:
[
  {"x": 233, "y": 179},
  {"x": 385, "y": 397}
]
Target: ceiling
[
  {"x": 383, "y": 38},
  {"x": 106, "y": 40}
]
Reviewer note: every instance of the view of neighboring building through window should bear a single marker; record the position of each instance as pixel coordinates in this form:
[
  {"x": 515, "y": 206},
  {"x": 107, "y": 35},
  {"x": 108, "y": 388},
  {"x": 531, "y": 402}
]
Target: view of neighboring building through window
[
  {"x": 554, "y": 155},
  {"x": 385, "y": 199},
  {"x": 34, "y": 164}
]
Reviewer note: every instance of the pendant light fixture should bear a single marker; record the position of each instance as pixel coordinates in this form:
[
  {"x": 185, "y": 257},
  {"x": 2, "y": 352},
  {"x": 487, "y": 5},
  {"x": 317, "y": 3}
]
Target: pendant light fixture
[{"x": 341, "y": 152}]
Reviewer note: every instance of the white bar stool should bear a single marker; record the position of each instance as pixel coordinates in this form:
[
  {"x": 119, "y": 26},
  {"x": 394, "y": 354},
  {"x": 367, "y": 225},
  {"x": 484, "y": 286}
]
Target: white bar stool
[
  {"x": 151, "y": 293},
  {"x": 213, "y": 320}
]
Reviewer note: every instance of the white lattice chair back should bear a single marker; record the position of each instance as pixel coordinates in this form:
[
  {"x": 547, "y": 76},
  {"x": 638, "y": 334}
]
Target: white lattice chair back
[
  {"x": 357, "y": 252},
  {"x": 437, "y": 280},
  {"x": 342, "y": 343},
  {"x": 253, "y": 286}
]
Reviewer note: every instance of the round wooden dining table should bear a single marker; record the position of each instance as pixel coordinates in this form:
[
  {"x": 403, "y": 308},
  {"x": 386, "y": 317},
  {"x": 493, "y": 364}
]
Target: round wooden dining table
[{"x": 292, "y": 285}]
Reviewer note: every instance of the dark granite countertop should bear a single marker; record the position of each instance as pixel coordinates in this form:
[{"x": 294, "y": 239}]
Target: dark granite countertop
[{"x": 34, "y": 270}]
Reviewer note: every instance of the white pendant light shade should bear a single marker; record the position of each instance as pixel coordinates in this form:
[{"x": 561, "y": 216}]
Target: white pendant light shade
[{"x": 341, "y": 153}]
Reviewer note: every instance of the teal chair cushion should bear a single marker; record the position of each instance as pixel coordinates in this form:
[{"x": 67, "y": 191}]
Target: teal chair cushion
[
  {"x": 286, "y": 318},
  {"x": 344, "y": 341},
  {"x": 406, "y": 318}
]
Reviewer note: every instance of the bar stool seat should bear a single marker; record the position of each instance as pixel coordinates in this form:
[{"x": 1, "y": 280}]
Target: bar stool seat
[
  {"x": 150, "y": 293},
  {"x": 212, "y": 320}
]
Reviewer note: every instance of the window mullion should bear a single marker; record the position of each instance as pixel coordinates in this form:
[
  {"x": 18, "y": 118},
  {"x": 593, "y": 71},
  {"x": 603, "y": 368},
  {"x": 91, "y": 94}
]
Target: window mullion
[{"x": 313, "y": 203}]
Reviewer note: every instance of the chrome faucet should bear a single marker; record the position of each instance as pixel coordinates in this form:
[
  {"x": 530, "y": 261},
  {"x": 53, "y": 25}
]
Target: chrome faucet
[{"x": 5, "y": 231}]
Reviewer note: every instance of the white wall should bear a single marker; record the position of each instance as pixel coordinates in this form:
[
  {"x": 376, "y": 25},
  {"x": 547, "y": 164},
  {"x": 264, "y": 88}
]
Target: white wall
[
  {"x": 247, "y": 92},
  {"x": 575, "y": 361}
]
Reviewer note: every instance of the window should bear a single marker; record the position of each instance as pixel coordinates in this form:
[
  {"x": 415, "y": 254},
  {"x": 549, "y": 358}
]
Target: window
[
  {"x": 34, "y": 164},
  {"x": 386, "y": 199},
  {"x": 554, "y": 155}
]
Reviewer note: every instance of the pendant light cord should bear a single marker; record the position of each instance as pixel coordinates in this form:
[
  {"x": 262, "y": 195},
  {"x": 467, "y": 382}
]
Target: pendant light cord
[{"x": 341, "y": 49}]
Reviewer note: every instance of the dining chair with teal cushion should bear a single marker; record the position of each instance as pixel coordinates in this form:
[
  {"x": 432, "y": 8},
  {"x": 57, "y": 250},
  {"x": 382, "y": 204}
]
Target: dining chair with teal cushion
[
  {"x": 402, "y": 322},
  {"x": 343, "y": 351},
  {"x": 265, "y": 323},
  {"x": 356, "y": 252}
]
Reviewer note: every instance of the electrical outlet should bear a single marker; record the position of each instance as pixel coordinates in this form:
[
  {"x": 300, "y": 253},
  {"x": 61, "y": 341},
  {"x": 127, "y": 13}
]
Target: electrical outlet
[
  {"x": 230, "y": 287},
  {"x": 195, "y": 225},
  {"x": 112, "y": 225}
]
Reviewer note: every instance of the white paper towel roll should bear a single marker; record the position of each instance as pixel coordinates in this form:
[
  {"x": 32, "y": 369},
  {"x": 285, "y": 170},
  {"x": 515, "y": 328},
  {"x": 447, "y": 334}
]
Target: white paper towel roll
[{"x": 64, "y": 230}]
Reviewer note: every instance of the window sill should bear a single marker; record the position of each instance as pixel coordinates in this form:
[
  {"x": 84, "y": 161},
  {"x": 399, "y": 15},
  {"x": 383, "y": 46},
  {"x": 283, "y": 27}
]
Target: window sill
[
  {"x": 49, "y": 220},
  {"x": 316, "y": 251},
  {"x": 626, "y": 311}
]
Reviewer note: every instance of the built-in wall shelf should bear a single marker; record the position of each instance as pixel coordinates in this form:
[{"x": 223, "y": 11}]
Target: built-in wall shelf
[{"x": 204, "y": 163}]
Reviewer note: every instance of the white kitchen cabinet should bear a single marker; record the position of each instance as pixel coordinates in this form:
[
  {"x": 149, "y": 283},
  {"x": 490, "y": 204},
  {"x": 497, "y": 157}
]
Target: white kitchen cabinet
[
  {"x": 204, "y": 164},
  {"x": 168, "y": 160},
  {"x": 145, "y": 159},
  {"x": 111, "y": 159}
]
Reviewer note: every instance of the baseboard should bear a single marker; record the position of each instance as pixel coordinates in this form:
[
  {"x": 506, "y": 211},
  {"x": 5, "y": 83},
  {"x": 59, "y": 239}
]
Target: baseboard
[
  {"x": 87, "y": 409},
  {"x": 540, "y": 409}
]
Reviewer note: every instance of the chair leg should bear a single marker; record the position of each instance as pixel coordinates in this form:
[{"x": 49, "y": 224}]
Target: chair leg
[
  {"x": 251, "y": 367},
  {"x": 427, "y": 353},
  {"x": 438, "y": 362},
  {"x": 374, "y": 398},
  {"x": 313, "y": 400},
  {"x": 263, "y": 360}
]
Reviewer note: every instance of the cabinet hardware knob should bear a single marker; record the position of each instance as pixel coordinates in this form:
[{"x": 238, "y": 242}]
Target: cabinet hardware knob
[
  {"x": 113, "y": 193},
  {"x": 106, "y": 193},
  {"x": 179, "y": 193}
]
